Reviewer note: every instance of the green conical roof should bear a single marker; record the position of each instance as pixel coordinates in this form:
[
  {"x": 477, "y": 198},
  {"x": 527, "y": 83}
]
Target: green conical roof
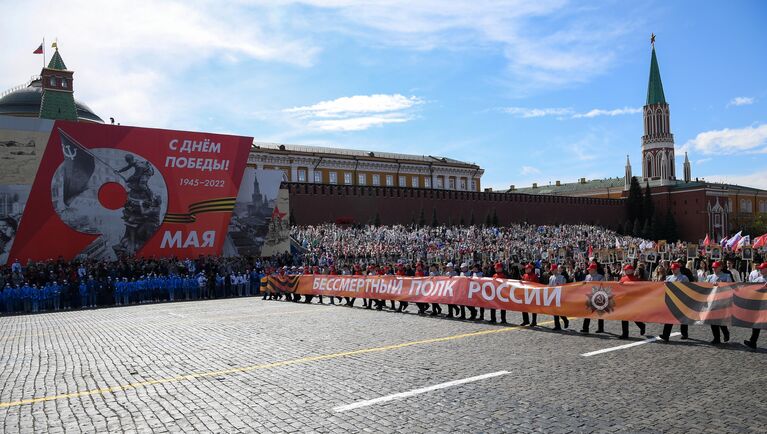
[
  {"x": 56, "y": 62},
  {"x": 655, "y": 87}
]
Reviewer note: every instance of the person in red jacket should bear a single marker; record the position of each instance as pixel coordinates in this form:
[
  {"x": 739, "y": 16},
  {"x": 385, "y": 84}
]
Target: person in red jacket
[
  {"x": 400, "y": 273},
  {"x": 630, "y": 276},
  {"x": 499, "y": 274},
  {"x": 529, "y": 276}
]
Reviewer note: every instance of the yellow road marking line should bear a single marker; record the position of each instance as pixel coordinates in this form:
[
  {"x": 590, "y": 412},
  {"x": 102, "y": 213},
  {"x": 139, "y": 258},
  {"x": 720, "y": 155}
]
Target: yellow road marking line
[{"x": 113, "y": 389}]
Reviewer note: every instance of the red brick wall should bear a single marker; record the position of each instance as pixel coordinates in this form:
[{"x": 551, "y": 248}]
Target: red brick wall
[{"x": 313, "y": 204}]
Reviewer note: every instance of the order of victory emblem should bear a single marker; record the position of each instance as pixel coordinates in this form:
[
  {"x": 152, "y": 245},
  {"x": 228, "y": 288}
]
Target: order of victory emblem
[{"x": 601, "y": 300}]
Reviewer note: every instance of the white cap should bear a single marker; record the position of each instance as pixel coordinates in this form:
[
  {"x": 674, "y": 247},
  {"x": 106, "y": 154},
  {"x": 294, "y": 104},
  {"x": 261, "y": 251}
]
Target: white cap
[
  {"x": 449, "y": 264},
  {"x": 464, "y": 265}
]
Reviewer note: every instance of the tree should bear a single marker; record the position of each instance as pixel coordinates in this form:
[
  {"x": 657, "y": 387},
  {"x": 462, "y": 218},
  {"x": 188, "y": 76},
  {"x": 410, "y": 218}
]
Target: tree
[
  {"x": 450, "y": 220},
  {"x": 636, "y": 229},
  {"x": 422, "y": 219},
  {"x": 488, "y": 220},
  {"x": 472, "y": 221},
  {"x": 647, "y": 230},
  {"x": 495, "y": 218},
  {"x": 670, "y": 227},
  {"x": 377, "y": 220},
  {"x": 434, "y": 221},
  {"x": 463, "y": 222},
  {"x": 634, "y": 201},
  {"x": 627, "y": 228},
  {"x": 658, "y": 229},
  {"x": 648, "y": 208}
]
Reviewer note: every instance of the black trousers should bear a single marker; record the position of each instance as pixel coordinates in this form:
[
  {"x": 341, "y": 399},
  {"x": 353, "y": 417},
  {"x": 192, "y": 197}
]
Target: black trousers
[
  {"x": 402, "y": 306},
  {"x": 564, "y": 319},
  {"x": 422, "y": 307},
  {"x": 625, "y": 327},
  {"x": 472, "y": 312},
  {"x": 436, "y": 309},
  {"x": 600, "y": 325},
  {"x": 526, "y": 318},
  {"x": 667, "y": 330},
  {"x": 715, "y": 329},
  {"x": 451, "y": 308},
  {"x": 349, "y": 300},
  {"x": 754, "y": 336},
  {"x": 492, "y": 315}
]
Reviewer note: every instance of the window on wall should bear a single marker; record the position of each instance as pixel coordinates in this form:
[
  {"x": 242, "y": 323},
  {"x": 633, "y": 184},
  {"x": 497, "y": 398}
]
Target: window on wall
[
  {"x": 389, "y": 180},
  {"x": 427, "y": 182},
  {"x": 362, "y": 179},
  {"x": 347, "y": 178},
  {"x": 301, "y": 175},
  {"x": 451, "y": 183},
  {"x": 440, "y": 182},
  {"x": 746, "y": 205},
  {"x": 415, "y": 182},
  {"x": 463, "y": 184},
  {"x": 473, "y": 185},
  {"x": 376, "y": 180},
  {"x": 333, "y": 177},
  {"x": 53, "y": 81},
  {"x": 318, "y": 177},
  {"x": 402, "y": 181},
  {"x": 64, "y": 83},
  {"x": 763, "y": 206}
]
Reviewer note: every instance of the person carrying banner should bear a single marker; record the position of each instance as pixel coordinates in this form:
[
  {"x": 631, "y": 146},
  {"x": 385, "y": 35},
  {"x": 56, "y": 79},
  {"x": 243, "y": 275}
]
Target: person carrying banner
[
  {"x": 761, "y": 278},
  {"x": 718, "y": 276},
  {"x": 629, "y": 276},
  {"x": 558, "y": 279},
  {"x": 499, "y": 274},
  {"x": 529, "y": 276},
  {"x": 400, "y": 273},
  {"x": 675, "y": 276},
  {"x": 419, "y": 272},
  {"x": 472, "y": 310},
  {"x": 593, "y": 276}
]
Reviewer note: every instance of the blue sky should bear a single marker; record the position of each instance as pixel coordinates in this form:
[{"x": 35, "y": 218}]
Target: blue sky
[{"x": 531, "y": 91}]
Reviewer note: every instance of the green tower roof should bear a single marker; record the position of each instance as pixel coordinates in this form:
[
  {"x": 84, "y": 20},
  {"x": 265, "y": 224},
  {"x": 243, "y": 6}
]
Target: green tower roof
[
  {"x": 655, "y": 87},
  {"x": 56, "y": 62}
]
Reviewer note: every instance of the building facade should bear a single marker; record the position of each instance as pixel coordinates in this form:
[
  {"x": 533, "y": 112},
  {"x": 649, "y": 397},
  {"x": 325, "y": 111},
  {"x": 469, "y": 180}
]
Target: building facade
[{"x": 335, "y": 166}]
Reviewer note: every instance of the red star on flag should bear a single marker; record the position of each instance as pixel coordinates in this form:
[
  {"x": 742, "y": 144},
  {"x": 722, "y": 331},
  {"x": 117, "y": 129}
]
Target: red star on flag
[{"x": 276, "y": 214}]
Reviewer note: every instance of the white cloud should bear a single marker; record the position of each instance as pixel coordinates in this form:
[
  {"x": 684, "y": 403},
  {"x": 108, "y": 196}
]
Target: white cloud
[
  {"x": 524, "y": 112},
  {"x": 351, "y": 105},
  {"x": 756, "y": 179},
  {"x": 729, "y": 141},
  {"x": 529, "y": 170},
  {"x": 615, "y": 112},
  {"x": 582, "y": 47},
  {"x": 356, "y": 113},
  {"x": 567, "y": 112},
  {"x": 134, "y": 59},
  {"x": 741, "y": 100}
]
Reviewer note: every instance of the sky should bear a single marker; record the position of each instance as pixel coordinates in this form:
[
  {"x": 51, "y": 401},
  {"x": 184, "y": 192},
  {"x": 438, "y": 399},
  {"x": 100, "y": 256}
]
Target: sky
[{"x": 532, "y": 91}]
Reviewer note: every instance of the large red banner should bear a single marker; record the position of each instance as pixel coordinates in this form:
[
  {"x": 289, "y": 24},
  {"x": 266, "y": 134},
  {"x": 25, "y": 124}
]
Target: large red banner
[
  {"x": 738, "y": 304},
  {"x": 105, "y": 191}
]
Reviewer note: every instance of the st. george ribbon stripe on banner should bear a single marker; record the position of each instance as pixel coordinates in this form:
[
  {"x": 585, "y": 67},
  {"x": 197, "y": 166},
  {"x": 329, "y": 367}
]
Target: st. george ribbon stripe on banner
[
  {"x": 225, "y": 204},
  {"x": 737, "y": 304}
]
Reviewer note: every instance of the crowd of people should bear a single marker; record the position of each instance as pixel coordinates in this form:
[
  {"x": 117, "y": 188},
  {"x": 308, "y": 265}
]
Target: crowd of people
[{"x": 546, "y": 254}]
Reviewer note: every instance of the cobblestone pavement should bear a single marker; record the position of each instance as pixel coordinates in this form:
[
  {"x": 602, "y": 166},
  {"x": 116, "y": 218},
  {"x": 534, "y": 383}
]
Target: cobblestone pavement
[{"x": 247, "y": 365}]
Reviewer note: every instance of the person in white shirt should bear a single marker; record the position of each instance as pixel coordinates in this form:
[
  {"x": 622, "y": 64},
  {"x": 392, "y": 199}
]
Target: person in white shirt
[{"x": 716, "y": 277}]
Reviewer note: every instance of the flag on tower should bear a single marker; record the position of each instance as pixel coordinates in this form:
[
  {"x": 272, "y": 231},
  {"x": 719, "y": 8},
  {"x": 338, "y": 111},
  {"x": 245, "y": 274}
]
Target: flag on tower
[{"x": 39, "y": 50}]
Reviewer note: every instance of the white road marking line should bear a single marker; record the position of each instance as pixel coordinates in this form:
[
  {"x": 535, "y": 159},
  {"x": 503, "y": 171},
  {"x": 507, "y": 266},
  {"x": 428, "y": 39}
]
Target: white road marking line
[
  {"x": 414, "y": 392},
  {"x": 623, "y": 347}
]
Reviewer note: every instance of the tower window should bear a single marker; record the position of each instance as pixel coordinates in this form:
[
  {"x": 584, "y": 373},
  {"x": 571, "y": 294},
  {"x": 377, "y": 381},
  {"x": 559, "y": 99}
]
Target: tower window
[
  {"x": 64, "y": 83},
  {"x": 53, "y": 81}
]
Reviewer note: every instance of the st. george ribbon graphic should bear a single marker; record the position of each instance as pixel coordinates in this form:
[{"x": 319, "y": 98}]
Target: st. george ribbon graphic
[{"x": 109, "y": 192}]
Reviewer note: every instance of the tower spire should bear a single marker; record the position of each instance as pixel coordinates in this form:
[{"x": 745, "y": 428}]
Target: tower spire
[{"x": 654, "y": 85}]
